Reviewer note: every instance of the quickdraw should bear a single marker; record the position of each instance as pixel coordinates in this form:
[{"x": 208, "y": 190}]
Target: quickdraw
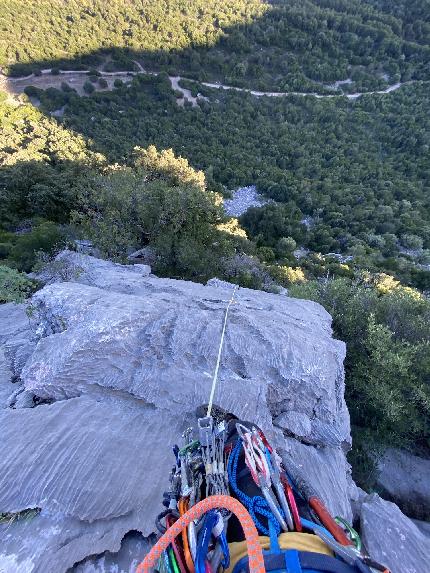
[{"x": 202, "y": 523}]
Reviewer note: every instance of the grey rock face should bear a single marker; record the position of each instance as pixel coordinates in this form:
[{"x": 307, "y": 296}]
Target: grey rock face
[
  {"x": 16, "y": 344},
  {"x": 327, "y": 470},
  {"x": 53, "y": 542},
  {"x": 123, "y": 360},
  {"x": 393, "y": 539},
  {"x": 405, "y": 479},
  {"x": 134, "y": 547},
  {"x": 115, "y": 449},
  {"x": 71, "y": 266}
]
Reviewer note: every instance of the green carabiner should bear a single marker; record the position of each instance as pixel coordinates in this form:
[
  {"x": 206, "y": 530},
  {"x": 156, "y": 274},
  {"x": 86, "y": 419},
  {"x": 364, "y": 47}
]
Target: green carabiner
[{"x": 355, "y": 538}]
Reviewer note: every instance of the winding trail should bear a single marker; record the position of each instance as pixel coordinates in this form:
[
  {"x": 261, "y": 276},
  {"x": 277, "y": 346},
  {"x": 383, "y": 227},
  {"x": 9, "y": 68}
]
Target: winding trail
[
  {"x": 389, "y": 89},
  {"x": 77, "y": 78}
]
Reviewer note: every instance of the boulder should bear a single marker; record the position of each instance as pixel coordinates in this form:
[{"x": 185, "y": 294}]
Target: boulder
[
  {"x": 123, "y": 360},
  {"x": 71, "y": 266},
  {"x": 142, "y": 345},
  {"x": 405, "y": 479},
  {"x": 391, "y": 538}
]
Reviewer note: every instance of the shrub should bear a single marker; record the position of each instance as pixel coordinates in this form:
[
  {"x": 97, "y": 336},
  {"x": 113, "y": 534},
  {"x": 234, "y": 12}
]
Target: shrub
[
  {"x": 88, "y": 87},
  {"x": 55, "y": 71},
  {"x": 387, "y": 331},
  {"x": 45, "y": 237},
  {"x": 166, "y": 210},
  {"x": 285, "y": 246},
  {"x": 412, "y": 241},
  {"x": 287, "y": 276},
  {"x": 165, "y": 165},
  {"x": 14, "y": 286},
  {"x": 103, "y": 83},
  {"x": 31, "y": 91},
  {"x": 266, "y": 254},
  {"x": 118, "y": 83}
]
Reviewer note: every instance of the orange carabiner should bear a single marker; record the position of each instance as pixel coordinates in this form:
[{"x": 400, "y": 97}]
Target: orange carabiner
[{"x": 183, "y": 508}]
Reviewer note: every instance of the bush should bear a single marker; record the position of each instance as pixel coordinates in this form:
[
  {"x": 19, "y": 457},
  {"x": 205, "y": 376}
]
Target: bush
[
  {"x": 14, "y": 286},
  {"x": 287, "y": 276},
  {"x": 88, "y": 87},
  {"x": 103, "y": 83},
  {"x": 285, "y": 246},
  {"x": 31, "y": 91},
  {"x": 412, "y": 242},
  {"x": 387, "y": 331},
  {"x": 55, "y": 71},
  {"x": 45, "y": 237},
  {"x": 118, "y": 83},
  {"x": 266, "y": 254},
  {"x": 168, "y": 209}
]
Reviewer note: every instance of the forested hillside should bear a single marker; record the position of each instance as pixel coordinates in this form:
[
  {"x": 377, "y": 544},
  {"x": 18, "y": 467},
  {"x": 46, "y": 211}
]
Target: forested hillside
[
  {"x": 347, "y": 177},
  {"x": 283, "y": 45}
]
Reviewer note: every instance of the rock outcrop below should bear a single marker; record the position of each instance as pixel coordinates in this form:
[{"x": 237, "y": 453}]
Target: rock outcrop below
[
  {"x": 392, "y": 538},
  {"x": 405, "y": 479},
  {"x": 109, "y": 368}
]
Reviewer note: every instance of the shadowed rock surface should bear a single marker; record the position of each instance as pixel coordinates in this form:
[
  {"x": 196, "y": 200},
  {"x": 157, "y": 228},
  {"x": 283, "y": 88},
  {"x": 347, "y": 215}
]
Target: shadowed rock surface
[
  {"x": 405, "y": 479},
  {"x": 116, "y": 363},
  {"x": 392, "y": 538}
]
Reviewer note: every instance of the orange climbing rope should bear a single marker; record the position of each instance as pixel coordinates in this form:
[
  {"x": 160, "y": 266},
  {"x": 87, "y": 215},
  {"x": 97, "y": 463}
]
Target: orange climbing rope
[{"x": 255, "y": 553}]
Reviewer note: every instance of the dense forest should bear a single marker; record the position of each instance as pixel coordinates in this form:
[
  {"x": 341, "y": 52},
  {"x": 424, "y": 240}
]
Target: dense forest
[
  {"x": 347, "y": 177},
  {"x": 136, "y": 167},
  {"x": 284, "y": 45}
]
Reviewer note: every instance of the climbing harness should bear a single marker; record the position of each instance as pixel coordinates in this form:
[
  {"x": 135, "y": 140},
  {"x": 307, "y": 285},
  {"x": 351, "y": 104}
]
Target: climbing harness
[{"x": 271, "y": 498}]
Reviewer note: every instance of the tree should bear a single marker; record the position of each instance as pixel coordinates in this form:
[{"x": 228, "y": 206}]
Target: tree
[
  {"x": 285, "y": 246},
  {"x": 88, "y": 87}
]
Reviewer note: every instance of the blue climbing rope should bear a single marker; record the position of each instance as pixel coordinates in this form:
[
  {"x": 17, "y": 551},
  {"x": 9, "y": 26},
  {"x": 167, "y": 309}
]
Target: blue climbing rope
[{"x": 257, "y": 505}]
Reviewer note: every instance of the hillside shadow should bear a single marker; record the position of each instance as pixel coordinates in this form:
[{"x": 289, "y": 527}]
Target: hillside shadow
[
  {"x": 280, "y": 47},
  {"x": 286, "y": 163},
  {"x": 286, "y": 48}
]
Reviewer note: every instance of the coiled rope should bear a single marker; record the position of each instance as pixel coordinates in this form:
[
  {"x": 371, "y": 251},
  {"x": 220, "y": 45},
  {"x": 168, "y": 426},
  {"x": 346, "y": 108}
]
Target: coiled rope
[
  {"x": 256, "y": 505},
  {"x": 255, "y": 553}
]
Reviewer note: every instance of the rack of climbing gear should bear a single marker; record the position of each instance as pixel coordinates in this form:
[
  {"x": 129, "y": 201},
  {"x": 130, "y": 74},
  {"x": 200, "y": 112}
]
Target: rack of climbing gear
[
  {"x": 230, "y": 475},
  {"x": 213, "y": 466}
]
